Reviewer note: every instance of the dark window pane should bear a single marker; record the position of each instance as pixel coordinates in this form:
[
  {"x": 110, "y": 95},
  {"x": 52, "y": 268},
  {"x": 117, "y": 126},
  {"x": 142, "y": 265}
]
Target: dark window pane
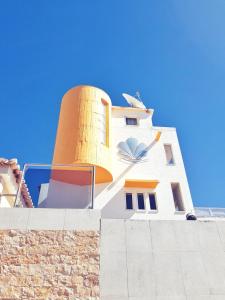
[
  {"x": 152, "y": 201},
  {"x": 141, "y": 202},
  {"x": 131, "y": 121},
  {"x": 169, "y": 154},
  {"x": 177, "y": 197},
  {"x": 129, "y": 202}
]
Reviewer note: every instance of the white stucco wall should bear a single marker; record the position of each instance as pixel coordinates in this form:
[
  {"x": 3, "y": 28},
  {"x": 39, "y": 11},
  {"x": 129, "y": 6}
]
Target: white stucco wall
[
  {"x": 111, "y": 198},
  {"x": 8, "y": 187},
  {"x": 58, "y": 194},
  {"x": 162, "y": 260},
  {"x": 3, "y": 200}
]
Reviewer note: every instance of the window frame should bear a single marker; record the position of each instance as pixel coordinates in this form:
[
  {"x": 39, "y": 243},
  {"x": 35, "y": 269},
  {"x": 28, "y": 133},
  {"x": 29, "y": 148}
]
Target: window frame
[
  {"x": 135, "y": 208},
  {"x": 132, "y": 201},
  {"x": 183, "y": 210},
  {"x": 172, "y": 152},
  {"x": 156, "y": 202},
  {"x": 134, "y": 125},
  {"x": 144, "y": 201},
  {"x": 106, "y": 107}
]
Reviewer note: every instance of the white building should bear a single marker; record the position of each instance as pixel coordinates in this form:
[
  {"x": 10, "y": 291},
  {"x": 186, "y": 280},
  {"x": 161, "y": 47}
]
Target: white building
[
  {"x": 139, "y": 167},
  {"x": 153, "y": 186},
  {"x": 12, "y": 186}
]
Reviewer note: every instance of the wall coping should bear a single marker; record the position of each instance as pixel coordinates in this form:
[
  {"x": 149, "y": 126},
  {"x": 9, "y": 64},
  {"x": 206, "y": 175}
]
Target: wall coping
[{"x": 49, "y": 219}]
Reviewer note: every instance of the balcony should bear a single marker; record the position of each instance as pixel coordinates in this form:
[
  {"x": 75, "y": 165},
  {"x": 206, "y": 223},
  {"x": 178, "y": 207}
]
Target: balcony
[{"x": 50, "y": 186}]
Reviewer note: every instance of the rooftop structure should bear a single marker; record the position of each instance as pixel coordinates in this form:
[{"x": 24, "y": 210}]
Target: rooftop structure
[
  {"x": 109, "y": 158},
  {"x": 139, "y": 171},
  {"x": 10, "y": 183}
]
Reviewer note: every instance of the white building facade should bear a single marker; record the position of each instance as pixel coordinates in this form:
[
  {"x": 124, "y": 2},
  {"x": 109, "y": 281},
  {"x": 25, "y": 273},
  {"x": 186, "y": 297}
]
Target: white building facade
[
  {"x": 128, "y": 195},
  {"x": 140, "y": 172}
]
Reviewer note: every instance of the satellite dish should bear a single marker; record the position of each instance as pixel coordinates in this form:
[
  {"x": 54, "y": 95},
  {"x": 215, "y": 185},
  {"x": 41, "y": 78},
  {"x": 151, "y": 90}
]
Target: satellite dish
[{"x": 134, "y": 102}]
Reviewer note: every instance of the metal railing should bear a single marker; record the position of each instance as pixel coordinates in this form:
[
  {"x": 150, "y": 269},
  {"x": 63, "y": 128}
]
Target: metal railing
[
  {"x": 210, "y": 212},
  {"x": 58, "y": 186}
]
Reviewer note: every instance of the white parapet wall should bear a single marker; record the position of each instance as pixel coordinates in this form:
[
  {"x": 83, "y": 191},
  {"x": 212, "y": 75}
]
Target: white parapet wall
[
  {"x": 162, "y": 260},
  {"x": 49, "y": 219},
  {"x": 140, "y": 259}
]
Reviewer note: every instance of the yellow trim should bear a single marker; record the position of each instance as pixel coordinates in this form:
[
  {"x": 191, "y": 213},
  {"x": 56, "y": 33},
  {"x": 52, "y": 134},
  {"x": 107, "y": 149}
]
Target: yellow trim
[
  {"x": 158, "y": 135},
  {"x": 147, "y": 110},
  {"x": 106, "y": 104},
  {"x": 137, "y": 183}
]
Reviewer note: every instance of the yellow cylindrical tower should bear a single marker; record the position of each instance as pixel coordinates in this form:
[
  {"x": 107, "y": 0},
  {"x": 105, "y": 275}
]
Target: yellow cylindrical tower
[{"x": 83, "y": 135}]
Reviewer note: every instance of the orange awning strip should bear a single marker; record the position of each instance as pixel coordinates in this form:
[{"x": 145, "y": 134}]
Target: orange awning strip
[{"x": 137, "y": 183}]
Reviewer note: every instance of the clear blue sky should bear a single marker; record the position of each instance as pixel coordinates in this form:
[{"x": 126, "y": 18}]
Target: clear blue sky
[{"x": 172, "y": 51}]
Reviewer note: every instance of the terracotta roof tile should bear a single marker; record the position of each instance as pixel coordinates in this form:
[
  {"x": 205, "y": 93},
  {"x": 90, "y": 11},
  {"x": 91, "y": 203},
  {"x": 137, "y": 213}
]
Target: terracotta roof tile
[{"x": 12, "y": 163}]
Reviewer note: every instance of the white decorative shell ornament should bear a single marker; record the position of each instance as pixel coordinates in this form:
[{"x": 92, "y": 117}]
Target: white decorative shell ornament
[{"x": 132, "y": 150}]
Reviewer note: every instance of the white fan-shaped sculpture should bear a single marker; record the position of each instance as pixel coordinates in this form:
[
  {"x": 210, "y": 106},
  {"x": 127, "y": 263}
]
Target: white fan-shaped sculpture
[
  {"x": 132, "y": 101},
  {"x": 131, "y": 150}
]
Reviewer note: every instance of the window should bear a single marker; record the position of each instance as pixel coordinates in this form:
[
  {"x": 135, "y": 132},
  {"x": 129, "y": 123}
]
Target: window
[
  {"x": 131, "y": 121},
  {"x": 152, "y": 201},
  {"x": 103, "y": 122},
  {"x": 169, "y": 154},
  {"x": 141, "y": 202},
  {"x": 177, "y": 197},
  {"x": 129, "y": 201}
]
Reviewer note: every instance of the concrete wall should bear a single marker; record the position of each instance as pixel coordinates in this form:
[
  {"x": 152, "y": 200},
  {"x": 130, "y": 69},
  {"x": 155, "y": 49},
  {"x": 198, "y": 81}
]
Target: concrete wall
[
  {"x": 162, "y": 260},
  {"x": 139, "y": 260},
  {"x": 49, "y": 254},
  {"x": 49, "y": 219}
]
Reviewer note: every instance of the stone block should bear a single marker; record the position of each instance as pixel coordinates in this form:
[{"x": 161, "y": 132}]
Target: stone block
[
  {"x": 82, "y": 219},
  {"x": 113, "y": 236},
  {"x": 114, "y": 298},
  {"x": 209, "y": 238},
  {"x": 186, "y": 234},
  {"x": 171, "y": 298},
  {"x": 167, "y": 268},
  {"x": 113, "y": 274},
  {"x": 214, "y": 264},
  {"x": 163, "y": 236},
  {"x": 221, "y": 230},
  {"x": 46, "y": 219},
  {"x": 194, "y": 275},
  {"x": 27, "y": 274},
  {"x": 138, "y": 238},
  {"x": 141, "y": 279},
  {"x": 14, "y": 218},
  {"x": 203, "y": 297},
  {"x": 142, "y": 298}
]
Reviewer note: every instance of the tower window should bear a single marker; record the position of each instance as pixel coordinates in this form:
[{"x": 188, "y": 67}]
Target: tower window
[
  {"x": 103, "y": 122},
  {"x": 152, "y": 201},
  {"x": 169, "y": 154},
  {"x": 131, "y": 121},
  {"x": 141, "y": 202},
  {"x": 177, "y": 197},
  {"x": 129, "y": 201}
]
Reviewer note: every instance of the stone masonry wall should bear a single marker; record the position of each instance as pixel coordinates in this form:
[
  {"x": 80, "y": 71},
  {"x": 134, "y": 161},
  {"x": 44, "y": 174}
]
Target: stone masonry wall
[{"x": 49, "y": 264}]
